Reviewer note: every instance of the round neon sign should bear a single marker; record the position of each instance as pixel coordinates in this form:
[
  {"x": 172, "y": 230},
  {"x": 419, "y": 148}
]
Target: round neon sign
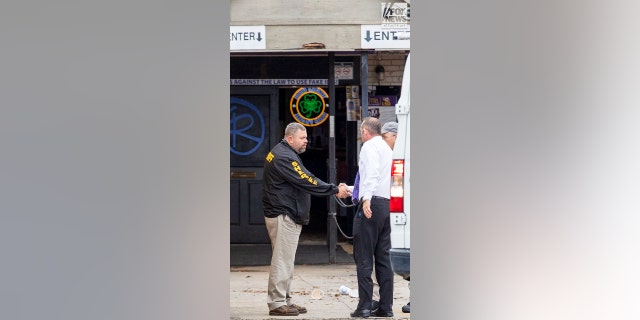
[{"x": 308, "y": 106}]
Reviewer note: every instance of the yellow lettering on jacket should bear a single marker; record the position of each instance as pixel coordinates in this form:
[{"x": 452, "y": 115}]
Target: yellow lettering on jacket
[
  {"x": 269, "y": 156},
  {"x": 302, "y": 174}
]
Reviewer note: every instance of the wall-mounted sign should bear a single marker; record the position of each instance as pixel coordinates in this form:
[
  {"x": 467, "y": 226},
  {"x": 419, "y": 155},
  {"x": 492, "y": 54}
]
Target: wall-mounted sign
[
  {"x": 343, "y": 70},
  {"x": 280, "y": 82},
  {"x": 308, "y": 106},
  {"x": 383, "y": 101},
  {"x": 377, "y": 37},
  {"x": 395, "y": 15},
  {"x": 247, "y": 37}
]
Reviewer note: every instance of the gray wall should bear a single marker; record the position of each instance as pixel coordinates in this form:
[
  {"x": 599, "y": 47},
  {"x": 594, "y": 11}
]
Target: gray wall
[{"x": 290, "y": 24}]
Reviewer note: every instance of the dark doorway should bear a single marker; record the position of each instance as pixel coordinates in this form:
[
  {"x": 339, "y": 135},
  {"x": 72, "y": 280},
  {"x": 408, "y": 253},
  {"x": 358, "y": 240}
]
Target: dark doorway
[
  {"x": 253, "y": 128},
  {"x": 273, "y": 105},
  {"x": 316, "y": 160}
]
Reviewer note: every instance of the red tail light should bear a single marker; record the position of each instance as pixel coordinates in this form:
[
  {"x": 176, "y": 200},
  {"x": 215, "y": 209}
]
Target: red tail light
[{"x": 397, "y": 187}]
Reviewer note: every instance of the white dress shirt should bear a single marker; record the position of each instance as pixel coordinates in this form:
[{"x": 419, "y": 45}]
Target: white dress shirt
[{"x": 375, "y": 169}]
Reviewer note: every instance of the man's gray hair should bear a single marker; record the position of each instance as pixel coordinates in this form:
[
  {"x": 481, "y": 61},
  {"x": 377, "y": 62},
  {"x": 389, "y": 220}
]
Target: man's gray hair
[
  {"x": 292, "y": 128},
  {"x": 372, "y": 125}
]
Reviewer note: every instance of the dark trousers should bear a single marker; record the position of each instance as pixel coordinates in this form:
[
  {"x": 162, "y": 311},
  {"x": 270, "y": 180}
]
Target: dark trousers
[{"x": 371, "y": 245}]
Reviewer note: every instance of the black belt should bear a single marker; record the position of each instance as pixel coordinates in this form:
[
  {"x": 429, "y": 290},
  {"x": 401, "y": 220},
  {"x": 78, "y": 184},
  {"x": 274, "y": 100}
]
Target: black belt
[{"x": 380, "y": 198}]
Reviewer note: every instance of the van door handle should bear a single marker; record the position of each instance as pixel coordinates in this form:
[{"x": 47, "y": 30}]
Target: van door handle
[{"x": 243, "y": 174}]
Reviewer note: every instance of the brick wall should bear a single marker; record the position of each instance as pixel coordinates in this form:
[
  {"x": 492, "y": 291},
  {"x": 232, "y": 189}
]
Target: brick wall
[{"x": 393, "y": 64}]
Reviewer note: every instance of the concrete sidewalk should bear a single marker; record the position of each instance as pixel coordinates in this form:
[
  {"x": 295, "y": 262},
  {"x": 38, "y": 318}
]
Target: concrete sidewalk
[{"x": 248, "y": 296}]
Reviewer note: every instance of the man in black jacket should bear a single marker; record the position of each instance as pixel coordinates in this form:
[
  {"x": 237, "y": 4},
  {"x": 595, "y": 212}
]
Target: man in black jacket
[{"x": 286, "y": 200}]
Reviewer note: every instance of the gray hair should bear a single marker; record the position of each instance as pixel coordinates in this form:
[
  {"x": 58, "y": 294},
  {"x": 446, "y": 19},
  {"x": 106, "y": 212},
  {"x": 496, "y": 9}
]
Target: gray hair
[
  {"x": 372, "y": 125},
  {"x": 292, "y": 128}
]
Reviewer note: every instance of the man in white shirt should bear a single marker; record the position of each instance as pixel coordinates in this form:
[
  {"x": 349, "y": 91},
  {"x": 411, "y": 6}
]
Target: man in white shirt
[
  {"x": 371, "y": 225},
  {"x": 389, "y": 133}
]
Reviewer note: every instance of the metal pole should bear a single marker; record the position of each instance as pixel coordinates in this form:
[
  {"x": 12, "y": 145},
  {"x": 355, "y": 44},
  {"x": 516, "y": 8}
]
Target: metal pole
[
  {"x": 364, "y": 80},
  {"x": 331, "y": 223}
]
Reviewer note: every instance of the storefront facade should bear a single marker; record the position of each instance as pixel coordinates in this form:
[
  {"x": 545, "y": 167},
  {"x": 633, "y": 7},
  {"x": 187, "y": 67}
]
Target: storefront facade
[{"x": 350, "y": 67}]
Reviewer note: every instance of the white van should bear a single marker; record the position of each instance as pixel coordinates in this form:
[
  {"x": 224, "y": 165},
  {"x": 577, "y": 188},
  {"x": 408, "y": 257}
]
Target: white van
[{"x": 400, "y": 185}]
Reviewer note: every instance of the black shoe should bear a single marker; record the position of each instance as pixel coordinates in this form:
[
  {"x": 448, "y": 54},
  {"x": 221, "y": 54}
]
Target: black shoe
[
  {"x": 361, "y": 313},
  {"x": 406, "y": 308},
  {"x": 374, "y": 305},
  {"x": 382, "y": 313}
]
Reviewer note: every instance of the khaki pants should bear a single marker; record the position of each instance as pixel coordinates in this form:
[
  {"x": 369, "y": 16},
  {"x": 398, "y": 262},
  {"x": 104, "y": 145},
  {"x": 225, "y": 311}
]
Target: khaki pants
[{"x": 284, "y": 235}]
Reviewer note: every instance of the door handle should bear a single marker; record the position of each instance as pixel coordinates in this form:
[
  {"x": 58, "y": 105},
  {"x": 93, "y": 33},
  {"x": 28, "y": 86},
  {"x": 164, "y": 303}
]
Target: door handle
[{"x": 243, "y": 174}]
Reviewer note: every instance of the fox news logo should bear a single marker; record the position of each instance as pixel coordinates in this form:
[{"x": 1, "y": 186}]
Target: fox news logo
[{"x": 395, "y": 15}]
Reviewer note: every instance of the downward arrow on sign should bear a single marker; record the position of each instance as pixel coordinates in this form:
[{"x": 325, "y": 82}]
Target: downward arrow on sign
[{"x": 368, "y": 37}]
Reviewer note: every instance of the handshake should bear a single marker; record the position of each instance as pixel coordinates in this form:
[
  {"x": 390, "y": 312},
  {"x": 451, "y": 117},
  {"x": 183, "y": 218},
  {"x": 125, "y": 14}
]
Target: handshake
[{"x": 343, "y": 191}]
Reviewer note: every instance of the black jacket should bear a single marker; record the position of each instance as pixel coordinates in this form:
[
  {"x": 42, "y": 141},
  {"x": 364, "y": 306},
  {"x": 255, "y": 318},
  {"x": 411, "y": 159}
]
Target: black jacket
[{"x": 287, "y": 185}]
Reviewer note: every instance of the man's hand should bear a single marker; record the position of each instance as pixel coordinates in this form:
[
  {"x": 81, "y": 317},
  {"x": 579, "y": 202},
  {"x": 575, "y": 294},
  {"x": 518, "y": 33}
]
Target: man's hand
[
  {"x": 366, "y": 208},
  {"x": 343, "y": 191}
]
